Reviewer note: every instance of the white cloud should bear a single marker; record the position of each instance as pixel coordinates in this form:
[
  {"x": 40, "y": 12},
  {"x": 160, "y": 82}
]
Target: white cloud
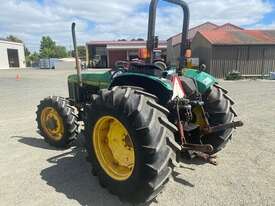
[
  {"x": 270, "y": 26},
  {"x": 115, "y": 19}
]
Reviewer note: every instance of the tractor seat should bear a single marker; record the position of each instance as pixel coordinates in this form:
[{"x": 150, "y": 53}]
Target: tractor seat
[{"x": 144, "y": 68}]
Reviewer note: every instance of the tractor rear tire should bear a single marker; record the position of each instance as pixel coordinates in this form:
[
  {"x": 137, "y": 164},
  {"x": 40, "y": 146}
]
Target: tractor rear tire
[
  {"x": 151, "y": 134},
  {"x": 218, "y": 107},
  {"x": 65, "y": 127}
]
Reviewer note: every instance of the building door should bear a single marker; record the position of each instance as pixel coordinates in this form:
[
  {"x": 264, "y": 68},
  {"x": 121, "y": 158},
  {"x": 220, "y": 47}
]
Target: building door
[
  {"x": 13, "y": 57},
  {"x": 115, "y": 55}
]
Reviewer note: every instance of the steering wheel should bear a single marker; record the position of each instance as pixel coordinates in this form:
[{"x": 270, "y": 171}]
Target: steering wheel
[{"x": 117, "y": 72}]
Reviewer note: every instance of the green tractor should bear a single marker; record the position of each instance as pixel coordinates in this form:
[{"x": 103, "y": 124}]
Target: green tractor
[{"x": 139, "y": 121}]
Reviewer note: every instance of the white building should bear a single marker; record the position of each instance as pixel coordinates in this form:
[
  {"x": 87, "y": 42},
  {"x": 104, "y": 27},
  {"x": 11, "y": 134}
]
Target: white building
[{"x": 12, "y": 55}]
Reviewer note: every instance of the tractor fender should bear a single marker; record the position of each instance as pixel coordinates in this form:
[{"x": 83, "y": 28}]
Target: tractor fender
[
  {"x": 160, "y": 87},
  {"x": 203, "y": 80}
]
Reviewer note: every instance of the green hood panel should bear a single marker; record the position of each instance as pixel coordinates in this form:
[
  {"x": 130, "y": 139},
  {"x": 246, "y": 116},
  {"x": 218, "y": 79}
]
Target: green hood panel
[
  {"x": 203, "y": 79},
  {"x": 96, "y": 77}
]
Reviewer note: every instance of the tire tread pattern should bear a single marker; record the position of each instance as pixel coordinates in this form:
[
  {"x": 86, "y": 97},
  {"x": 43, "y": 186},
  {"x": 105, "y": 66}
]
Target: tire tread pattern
[
  {"x": 218, "y": 106},
  {"x": 68, "y": 115},
  {"x": 152, "y": 128}
]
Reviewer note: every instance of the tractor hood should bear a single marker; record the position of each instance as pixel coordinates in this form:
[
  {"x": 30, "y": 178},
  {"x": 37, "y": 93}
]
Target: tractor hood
[{"x": 96, "y": 77}]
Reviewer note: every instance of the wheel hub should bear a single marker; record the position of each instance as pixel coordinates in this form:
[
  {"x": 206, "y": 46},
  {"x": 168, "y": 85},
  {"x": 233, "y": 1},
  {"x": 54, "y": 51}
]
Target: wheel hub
[
  {"x": 120, "y": 144},
  {"x": 114, "y": 148},
  {"x": 52, "y": 123}
]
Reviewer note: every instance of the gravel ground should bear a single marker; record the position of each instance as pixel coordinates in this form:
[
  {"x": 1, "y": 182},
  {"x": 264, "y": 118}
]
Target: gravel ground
[{"x": 33, "y": 173}]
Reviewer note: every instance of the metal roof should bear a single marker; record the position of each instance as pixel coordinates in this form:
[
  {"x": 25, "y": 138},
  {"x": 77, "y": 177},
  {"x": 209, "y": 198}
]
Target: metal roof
[
  {"x": 176, "y": 39},
  {"x": 121, "y": 43},
  {"x": 240, "y": 37},
  {"x": 228, "y": 27},
  {"x": 207, "y": 26}
]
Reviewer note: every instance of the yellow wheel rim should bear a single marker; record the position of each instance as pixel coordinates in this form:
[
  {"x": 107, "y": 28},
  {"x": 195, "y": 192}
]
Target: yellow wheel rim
[
  {"x": 114, "y": 148},
  {"x": 52, "y": 123}
]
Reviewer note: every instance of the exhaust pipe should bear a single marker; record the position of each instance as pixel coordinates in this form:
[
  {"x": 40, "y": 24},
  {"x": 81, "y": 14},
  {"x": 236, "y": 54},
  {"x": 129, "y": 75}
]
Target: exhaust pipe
[{"x": 77, "y": 62}]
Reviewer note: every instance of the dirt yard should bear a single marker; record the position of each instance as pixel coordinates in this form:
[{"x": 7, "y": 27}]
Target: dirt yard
[{"x": 33, "y": 173}]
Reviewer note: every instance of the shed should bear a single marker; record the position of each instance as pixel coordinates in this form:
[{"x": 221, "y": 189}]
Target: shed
[
  {"x": 104, "y": 54},
  {"x": 173, "y": 43},
  {"x": 251, "y": 52},
  {"x": 12, "y": 54}
]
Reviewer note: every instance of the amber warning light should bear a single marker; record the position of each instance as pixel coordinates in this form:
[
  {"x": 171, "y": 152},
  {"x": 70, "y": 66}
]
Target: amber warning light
[{"x": 143, "y": 53}]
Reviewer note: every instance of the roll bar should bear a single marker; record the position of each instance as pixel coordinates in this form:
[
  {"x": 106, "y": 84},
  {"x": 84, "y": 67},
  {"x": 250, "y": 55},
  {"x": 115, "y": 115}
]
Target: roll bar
[{"x": 152, "y": 26}]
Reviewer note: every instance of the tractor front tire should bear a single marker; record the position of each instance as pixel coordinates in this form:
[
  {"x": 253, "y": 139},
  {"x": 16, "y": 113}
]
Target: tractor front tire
[
  {"x": 127, "y": 136},
  {"x": 57, "y": 121},
  {"x": 218, "y": 107}
]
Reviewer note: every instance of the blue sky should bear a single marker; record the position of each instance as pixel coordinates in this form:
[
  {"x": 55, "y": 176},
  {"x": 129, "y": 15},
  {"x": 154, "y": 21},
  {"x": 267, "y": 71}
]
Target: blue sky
[
  {"x": 115, "y": 19},
  {"x": 269, "y": 17}
]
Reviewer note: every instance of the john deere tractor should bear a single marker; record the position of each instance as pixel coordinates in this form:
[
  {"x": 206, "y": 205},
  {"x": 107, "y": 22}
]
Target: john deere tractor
[{"x": 139, "y": 121}]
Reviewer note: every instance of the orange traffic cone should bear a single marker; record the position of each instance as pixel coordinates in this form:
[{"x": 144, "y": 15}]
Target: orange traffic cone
[{"x": 17, "y": 77}]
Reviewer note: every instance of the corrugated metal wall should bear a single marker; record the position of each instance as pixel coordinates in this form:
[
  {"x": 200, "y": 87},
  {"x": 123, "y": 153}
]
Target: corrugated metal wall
[
  {"x": 202, "y": 49},
  {"x": 248, "y": 60}
]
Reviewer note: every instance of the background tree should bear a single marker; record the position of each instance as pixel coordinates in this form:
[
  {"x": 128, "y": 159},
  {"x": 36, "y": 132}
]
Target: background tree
[
  {"x": 49, "y": 49},
  {"x": 27, "y": 56},
  {"x": 60, "y": 52},
  {"x": 34, "y": 57},
  {"x": 138, "y": 39},
  {"x": 27, "y": 51},
  {"x": 14, "y": 39},
  {"x": 81, "y": 53}
]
